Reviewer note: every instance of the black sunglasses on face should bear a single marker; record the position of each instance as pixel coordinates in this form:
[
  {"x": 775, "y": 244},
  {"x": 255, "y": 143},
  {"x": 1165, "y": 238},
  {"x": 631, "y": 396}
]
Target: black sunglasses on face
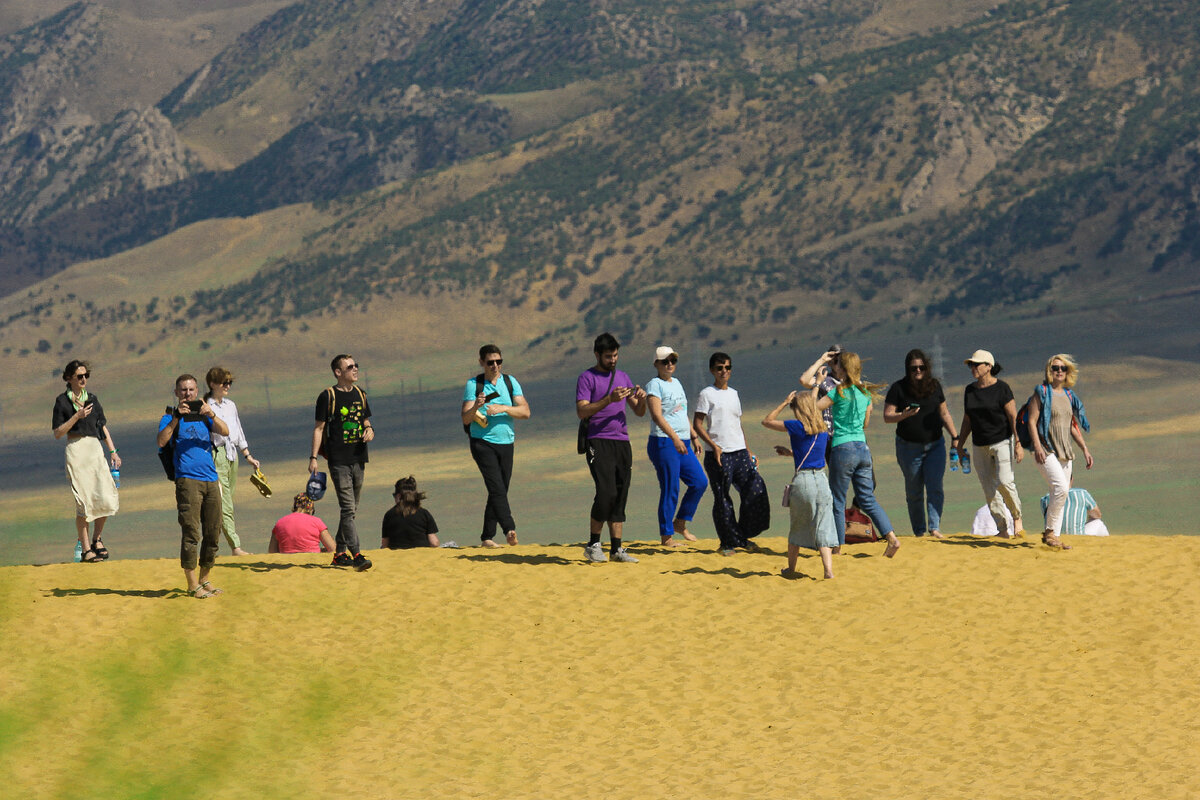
[
  {"x": 670, "y": 360},
  {"x": 82, "y": 376},
  {"x": 351, "y": 366},
  {"x": 227, "y": 383},
  {"x": 1057, "y": 368},
  {"x": 724, "y": 368},
  {"x": 494, "y": 362},
  {"x": 916, "y": 367}
]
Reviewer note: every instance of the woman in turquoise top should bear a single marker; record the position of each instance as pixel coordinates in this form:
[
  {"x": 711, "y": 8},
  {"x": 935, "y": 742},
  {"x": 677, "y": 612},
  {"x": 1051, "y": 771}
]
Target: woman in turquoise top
[{"x": 849, "y": 456}]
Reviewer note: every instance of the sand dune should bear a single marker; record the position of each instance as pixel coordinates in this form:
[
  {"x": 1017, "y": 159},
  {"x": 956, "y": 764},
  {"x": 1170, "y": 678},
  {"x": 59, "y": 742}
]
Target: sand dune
[{"x": 962, "y": 669}]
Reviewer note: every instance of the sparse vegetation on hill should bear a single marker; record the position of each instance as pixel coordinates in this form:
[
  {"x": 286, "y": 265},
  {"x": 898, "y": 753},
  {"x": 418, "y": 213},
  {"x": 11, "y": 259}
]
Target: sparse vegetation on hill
[{"x": 747, "y": 165}]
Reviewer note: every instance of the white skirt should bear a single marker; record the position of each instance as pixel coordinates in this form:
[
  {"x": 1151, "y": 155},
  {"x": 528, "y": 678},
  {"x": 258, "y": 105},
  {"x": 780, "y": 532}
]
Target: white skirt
[{"x": 91, "y": 482}]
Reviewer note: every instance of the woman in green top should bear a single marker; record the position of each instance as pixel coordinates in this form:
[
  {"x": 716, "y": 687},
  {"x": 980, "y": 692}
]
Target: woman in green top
[{"x": 849, "y": 456}]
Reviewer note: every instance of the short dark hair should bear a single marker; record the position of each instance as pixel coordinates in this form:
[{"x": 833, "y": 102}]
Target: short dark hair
[
  {"x": 72, "y": 366},
  {"x": 337, "y": 360},
  {"x": 606, "y": 343},
  {"x": 718, "y": 358},
  {"x": 487, "y": 350},
  {"x": 186, "y": 377}
]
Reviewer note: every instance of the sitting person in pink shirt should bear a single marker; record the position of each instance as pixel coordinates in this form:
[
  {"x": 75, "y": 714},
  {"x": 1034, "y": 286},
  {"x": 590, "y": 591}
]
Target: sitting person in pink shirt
[{"x": 300, "y": 531}]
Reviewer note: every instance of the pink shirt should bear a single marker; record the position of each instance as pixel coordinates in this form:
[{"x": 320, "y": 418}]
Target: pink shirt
[{"x": 298, "y": 533}]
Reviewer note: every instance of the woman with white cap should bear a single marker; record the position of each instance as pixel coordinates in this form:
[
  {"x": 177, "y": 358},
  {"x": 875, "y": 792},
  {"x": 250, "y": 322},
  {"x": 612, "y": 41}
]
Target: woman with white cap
[
  {"x": 672, "y": 450},
  {"x": 990, "y": 419}
]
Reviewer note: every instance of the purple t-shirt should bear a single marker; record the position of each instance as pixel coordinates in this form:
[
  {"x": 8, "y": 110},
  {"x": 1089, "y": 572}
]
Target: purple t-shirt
[{"x": 608, "y": 422}]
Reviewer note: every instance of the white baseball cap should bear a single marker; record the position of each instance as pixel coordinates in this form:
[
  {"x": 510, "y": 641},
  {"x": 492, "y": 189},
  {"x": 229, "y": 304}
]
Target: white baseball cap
[{"x": 663, "y": 352}]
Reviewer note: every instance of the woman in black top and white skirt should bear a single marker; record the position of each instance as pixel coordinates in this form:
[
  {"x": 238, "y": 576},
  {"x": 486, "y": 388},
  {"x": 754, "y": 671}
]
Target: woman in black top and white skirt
[{"x": 79, "y": 416}]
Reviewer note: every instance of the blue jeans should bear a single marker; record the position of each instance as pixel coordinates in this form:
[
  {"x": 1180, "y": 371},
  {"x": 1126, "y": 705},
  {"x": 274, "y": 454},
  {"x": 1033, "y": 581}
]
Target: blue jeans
[
  {"x": 850, "y": 463},
  {"x": 673, "y": 466},
  {"x": 924, "y": 467}
]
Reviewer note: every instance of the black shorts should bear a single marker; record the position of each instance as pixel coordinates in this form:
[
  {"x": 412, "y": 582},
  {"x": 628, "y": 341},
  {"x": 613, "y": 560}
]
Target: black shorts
[{"x": 611, "y": 463}]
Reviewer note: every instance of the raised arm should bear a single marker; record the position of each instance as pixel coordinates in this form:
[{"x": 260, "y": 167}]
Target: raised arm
[{"x": 771, "y": 420}]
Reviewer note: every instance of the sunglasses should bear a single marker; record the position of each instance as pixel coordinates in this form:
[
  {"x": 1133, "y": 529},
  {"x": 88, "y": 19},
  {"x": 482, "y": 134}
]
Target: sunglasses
[
  {"x": 1057, "y": 368},
  {"x": 351, "y": 366},
  {"x": 82, "y": 376},
  {"x": 494, "y": 362},
  {"x": 974, "y": 364},
  {"x": 916, "y": 368},
  {"x": 227, "y": 384},
  {"x": 670, "y": 360},
  {"x": 723, "y": 368}
]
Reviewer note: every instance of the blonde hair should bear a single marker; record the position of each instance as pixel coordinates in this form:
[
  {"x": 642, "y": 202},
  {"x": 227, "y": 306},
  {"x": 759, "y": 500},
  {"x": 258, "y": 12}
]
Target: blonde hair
[
  {"x": 1072, "y": 368},
  {"x": 852, "y": 365},
  {"x": 804, "y": 407}
]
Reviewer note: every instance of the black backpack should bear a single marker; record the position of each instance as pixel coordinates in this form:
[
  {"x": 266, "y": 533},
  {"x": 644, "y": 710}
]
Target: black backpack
[
  {"x": 166, "y": 453},
  {"x": 479, "y": 389}
]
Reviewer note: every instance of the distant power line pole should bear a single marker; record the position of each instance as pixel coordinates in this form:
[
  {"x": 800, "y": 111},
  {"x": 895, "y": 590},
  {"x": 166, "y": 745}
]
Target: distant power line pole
[
  {"x": 937, "y": 357},
  {"x": 267, "y": 390}
]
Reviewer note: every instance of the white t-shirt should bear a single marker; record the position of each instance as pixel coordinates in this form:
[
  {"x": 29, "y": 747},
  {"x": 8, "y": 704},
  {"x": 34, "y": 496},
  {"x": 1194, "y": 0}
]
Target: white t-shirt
[{"x": 723, "y": 408}]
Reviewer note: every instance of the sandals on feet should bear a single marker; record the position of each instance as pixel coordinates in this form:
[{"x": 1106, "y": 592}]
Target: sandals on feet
[
  {"x": 1050, "y": 540},
  {"x": 201, "y": 593},
  {"x": 100, "y": 550},
  {"x": 211, "y": 589},
  {"x": 90, "y": 557}
]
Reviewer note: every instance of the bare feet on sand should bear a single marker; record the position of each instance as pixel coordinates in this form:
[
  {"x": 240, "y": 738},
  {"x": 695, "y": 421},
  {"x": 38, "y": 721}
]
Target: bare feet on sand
[
  {"x": 893, "y": 545},
  {"x": 237, "y": 551},
  {"x": 511, "y": 536},
  {"x": 936, "y": 534},
  {"x": 669, "y": 541},
  {"x": 489, "y": 543},
  {"x": 681, "y": 529},
  {"x": 790, "y": 573},
  {"x": 1050, "y": 540}
]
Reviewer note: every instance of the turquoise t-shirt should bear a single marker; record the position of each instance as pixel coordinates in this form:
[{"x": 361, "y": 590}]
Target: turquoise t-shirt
[
  {"x": 674, "y": 407},
  {"x": 850, "y": 406},
  {"x": 499, "y": 429}
]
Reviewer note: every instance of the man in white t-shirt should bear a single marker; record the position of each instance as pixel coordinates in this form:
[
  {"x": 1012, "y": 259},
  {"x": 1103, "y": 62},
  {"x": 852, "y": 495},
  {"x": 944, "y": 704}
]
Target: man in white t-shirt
[{"x": 728, "y": 462}]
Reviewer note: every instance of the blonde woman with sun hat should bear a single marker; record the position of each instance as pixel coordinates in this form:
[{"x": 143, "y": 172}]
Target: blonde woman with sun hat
[{"x": 990, "y": 419}]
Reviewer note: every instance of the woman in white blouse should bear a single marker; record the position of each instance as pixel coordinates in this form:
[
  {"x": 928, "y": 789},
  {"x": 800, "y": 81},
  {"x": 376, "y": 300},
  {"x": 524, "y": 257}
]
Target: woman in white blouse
[{"x": 226, "y": 448}]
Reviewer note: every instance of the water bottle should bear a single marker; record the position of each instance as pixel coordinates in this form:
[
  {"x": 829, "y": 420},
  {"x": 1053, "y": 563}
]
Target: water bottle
[
  {"x": 116, "y": 473},
  {"x": 953, "y": 460},
  {"x": 78, "y": 551},
  {"x": 966, "y": 464}
]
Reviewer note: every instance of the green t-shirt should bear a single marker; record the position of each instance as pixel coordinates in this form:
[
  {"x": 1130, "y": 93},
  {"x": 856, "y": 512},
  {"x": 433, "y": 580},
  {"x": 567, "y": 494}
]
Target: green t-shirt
[{"x": 850, "y": 406}]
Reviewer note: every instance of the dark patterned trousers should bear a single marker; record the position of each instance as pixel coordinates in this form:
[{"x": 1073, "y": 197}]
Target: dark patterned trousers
[{"x": 754, "y": 515}]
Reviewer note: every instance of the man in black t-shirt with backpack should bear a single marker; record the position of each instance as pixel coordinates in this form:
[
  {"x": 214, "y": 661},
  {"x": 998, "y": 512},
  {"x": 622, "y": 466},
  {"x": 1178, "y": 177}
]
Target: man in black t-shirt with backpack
[{"x": 341, "y": 433}]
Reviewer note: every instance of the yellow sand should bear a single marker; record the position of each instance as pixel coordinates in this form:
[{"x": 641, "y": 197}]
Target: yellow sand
[{"x": 962, "y": 669}]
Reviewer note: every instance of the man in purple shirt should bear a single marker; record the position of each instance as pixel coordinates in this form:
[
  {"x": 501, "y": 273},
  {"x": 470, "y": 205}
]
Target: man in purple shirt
[{"x": 601, "y": 394}]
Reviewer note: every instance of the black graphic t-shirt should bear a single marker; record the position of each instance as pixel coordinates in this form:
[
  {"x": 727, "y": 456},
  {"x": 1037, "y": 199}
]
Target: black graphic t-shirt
[{"x": 344, "y": 425}]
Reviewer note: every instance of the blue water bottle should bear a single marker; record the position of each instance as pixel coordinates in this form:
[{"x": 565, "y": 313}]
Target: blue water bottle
[
  {"x": 78, "y": 551},
  {"x": 116, "y": 473},
  {"x": 953, "y": 460},
  {"x": 966, "y": 464}
]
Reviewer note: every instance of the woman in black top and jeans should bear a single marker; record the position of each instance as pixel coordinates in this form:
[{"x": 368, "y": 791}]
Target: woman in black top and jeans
[{"x": 916, "y": 405}]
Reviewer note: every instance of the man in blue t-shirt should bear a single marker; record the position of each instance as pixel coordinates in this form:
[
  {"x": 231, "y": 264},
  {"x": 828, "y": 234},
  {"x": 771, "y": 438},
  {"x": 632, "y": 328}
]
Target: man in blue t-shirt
[
  {"x": 491, "y": 401},
  {"x": 190, "y": 426}
]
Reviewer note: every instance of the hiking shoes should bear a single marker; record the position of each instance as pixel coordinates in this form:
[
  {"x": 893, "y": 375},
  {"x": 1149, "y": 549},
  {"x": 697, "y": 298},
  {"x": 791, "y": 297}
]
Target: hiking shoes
[
  {"x": 343, "y": 560},
  {"x": 361, "y": 563}
]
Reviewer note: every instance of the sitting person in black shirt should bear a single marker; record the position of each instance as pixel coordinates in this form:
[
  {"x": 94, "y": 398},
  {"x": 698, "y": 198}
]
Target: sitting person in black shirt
[{"x": 406, "y": 524}]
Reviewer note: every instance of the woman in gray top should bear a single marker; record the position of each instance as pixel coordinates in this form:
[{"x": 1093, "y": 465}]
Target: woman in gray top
[{"x": 1056, "y": 417}]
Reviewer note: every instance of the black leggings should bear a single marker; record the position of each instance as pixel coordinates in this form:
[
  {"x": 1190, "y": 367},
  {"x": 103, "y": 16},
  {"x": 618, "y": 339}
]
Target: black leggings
[{"x": 495, "y": 463}]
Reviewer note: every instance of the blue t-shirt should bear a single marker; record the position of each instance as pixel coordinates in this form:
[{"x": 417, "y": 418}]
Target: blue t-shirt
[
  {"x": 499, "y": 429},
  {"x": 806, "y": 453},
  {"x": 674, "y": 407},
  {"x": 193, "y": 449}
]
